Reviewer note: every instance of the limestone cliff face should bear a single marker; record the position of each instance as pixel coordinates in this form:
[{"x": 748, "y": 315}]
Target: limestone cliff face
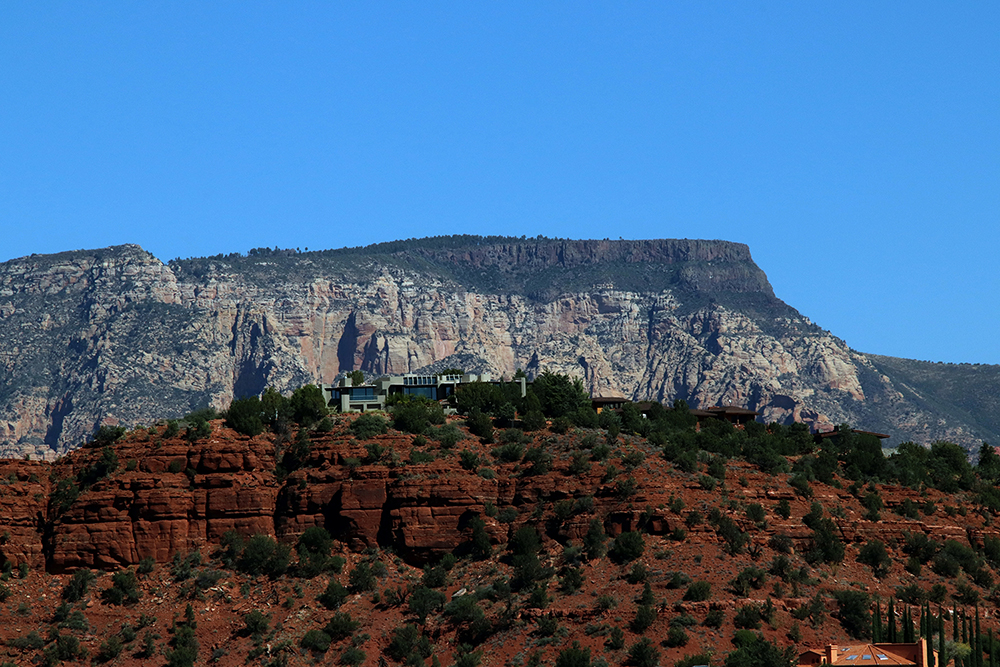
[{"x": 116, "y": 336}]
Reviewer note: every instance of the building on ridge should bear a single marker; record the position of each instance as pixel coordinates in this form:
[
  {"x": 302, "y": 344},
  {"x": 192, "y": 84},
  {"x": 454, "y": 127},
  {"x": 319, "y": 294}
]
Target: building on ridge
[
  {"x": 913, "y": 654},
  {"x": 346, "y": 397}
]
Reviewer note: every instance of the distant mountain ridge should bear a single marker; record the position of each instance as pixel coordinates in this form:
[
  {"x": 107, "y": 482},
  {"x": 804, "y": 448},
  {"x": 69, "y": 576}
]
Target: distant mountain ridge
[{"x": 116, "y": 335}]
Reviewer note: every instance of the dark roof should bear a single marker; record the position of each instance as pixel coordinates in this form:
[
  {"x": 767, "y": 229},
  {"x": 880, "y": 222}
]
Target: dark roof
[
  {"x": 608, "y": 399},
  {"x": 731, "y": 410},
  {"x": 830, "y": 434}
]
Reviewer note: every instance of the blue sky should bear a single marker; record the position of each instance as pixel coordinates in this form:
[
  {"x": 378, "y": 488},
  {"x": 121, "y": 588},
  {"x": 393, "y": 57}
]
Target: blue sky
[{"x": 854, "y": 146}]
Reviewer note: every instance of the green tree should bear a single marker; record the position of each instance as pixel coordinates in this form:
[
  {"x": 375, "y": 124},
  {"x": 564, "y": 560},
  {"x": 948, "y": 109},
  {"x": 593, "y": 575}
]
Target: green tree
[
  {"x": 275, "y": 408},
  {"x": 627, "y": 547},
  {"x": 559, "y": 395},
  {"x": 308, "y": 404},
  {"x": 245, "y": 416}
]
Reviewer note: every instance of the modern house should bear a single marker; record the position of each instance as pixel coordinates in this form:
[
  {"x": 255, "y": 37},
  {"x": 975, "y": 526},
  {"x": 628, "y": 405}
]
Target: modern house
[
  {"x": 346, "y": 397},
  {"x": 915, "y": 654}
]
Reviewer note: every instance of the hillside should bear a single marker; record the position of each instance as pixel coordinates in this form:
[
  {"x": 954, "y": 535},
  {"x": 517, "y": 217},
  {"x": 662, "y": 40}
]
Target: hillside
[
  {"x": 114, "y": 336},
  {"x": 511, "y": 550}
]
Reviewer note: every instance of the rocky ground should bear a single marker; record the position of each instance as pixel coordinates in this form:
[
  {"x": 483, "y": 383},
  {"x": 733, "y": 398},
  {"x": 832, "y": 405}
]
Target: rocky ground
[{"x": 170, "y": 501}]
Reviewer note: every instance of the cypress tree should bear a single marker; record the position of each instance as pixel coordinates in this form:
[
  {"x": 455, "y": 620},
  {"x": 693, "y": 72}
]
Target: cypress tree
[
  {"x": 940, "y": 634},
  {"x": 877, "y": 623},
  {"x": 979, "y": 641},
  {"x": 891, "y": 613},
  {"x": 993, "y": 662},
  {"x": 954, "y": 625}
]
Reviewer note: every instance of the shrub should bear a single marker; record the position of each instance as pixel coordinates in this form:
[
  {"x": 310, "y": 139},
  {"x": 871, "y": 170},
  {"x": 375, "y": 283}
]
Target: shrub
[
  {"x": 511, "y": 452},
  {"x": 368, "y": 426},
  {"x": 77, "y": 586},
  {"x": 124, "y": 588},
  {"x": 308, "y": 404},
  {"x": 753, "y": 650},
  {"x": 747, "y": 617},
  {"x": 263, "y": 555},
  {"x": 644, "y": 654},
  {"x": 593, "y": 541},
  {"x": 341, "y": 626},
  {"x": 352, "y": 655},
  {"x": 361, "y": 578},
  {"x": 781, "y": 543},
  {"x": 244, "y": 416},
  {"x": 407, "y": 644},
  {"x": 480, "y": 425},
  {"x": 574, "y": 656},
  {"x": 783, "y": 509},
  {"x": 676, "y": 636},
  {"x": 333, "y": 596},
  {"x": 637, "y": 574},
  {"x": 644, "y": 617},
  {"x": 755, "y": 512},
  {"x": 469, "y": 459},
  {"x": 616, "y": 638},
  {"x": 874, "y": 555},
  {"x": 853, "y": 612},
  {"x": 699, "y": 591},
  {"x": 534, "y": 420},
  {"x": 447, "y": 436},
  {"x": 316, "y": 640},
  {"x": 714, "y": 618},
  {"x": 255, "y": 624},
  {"x": 627, "y": 547},
  {"x": 423, "y": 601}
]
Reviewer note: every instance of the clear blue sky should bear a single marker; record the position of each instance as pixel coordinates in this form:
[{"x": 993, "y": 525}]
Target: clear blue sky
[{"x": 854, "y": 146}]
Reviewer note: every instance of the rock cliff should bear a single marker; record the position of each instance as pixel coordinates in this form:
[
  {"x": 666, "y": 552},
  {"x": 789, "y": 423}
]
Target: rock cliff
[{"x": 116, "y": 336}]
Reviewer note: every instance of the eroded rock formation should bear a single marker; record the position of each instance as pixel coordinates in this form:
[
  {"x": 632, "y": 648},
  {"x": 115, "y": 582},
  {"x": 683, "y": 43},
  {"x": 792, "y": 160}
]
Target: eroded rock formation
[{"x": 115, "y": 336}]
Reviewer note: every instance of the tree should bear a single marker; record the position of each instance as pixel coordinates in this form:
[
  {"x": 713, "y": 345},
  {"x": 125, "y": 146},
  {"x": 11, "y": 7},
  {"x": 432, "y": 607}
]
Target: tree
[
  {"x": 574, "y": 656},
  {"x": 627, "y": 547},
  {"x": 853, "y": 613},
  {"x": 275, "y": 408},
  {"x": 753, "y": 651},
  {"x": 308, "y": 404},
  {"x": 644, "y": 654},
  {"x": 244, "y": 416},
  {"x": 357, "y": 378},
  {"x": 874, "y": 555},
  {"x": 559, "y": 395}
]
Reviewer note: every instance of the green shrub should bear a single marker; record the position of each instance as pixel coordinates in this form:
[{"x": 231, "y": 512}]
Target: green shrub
[
  {"x": 698, "y": 591},
  {"x": 574, "y": 656},
  {"x": 255, "y": 624},
  {"x": 76, "y": 588},
  {"x": 644, "y": 654},
  {"x": 747, "y": 617},
  {"x": 352, "y": 655},
  {"x": 874, "y": 555},
  {"x": 245, "y": 416},
  {"x": 263, "y": 555},
  {"x": 368, "y": 426},
  {"x": 853, "y": 612},
  {"x": 676, "y": 636},
  {"x": 714, "y": 618},
  {"x": 512, "y": 452},
  {"x": 407, "y": 644},
  {"x": 316, "y": 641},
  {"x": 341, "y": 626},
  {"x": 627, "y": 547},
  {"x": 124, "y": 588},
  {"x": 361, "y": 578},
  {"x": 333, "y": 596},
  {"x": 644, "y": 617},
  {"x": 424, "y": 601}
]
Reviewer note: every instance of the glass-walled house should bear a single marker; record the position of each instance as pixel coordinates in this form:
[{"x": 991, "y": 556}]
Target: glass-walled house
[{"x": 345, "y": 397}]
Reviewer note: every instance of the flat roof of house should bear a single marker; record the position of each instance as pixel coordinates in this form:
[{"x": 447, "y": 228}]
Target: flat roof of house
[{"x": 830, "y": 434}]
